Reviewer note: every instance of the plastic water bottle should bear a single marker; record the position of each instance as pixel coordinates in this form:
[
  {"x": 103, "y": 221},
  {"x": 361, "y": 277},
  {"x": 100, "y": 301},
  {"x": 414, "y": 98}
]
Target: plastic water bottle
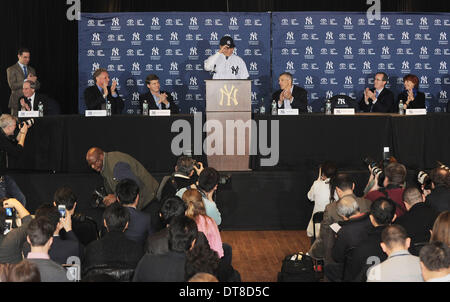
[
  {"x": 41, "y": 109},
  {"x": 328, "y": 107},
  {"x": 401, "y": 108},
  {"x": 274, "y": 108},
  {"x": 145, "y": 108},
  {"x": 108, "y": 108},
  {"x": 262, "y": 109}
]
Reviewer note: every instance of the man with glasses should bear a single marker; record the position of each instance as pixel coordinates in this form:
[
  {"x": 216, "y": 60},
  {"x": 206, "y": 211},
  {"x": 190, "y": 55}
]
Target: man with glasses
[{"x": 379, "y": 98}]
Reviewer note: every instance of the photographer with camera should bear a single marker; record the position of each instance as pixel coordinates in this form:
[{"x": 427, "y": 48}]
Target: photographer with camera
[
  {"x": 186, "y": 174},
  {"x": 391, "y": 187},
  {"x": 11, "y": 242},
  {"x": 11, "y": 144}
]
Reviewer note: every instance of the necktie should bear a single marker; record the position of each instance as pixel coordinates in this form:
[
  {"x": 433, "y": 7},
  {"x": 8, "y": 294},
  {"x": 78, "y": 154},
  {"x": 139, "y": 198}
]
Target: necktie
[
  {"x": 376, "y": 94},
  {"x": 28, "y": 101},
  {"x": 25, "y": 71}
]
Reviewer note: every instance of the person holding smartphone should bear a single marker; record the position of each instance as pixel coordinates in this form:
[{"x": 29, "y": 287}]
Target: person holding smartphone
[
  {"x": 11, "y": 244},
  {"x": 12, "y": 143}
]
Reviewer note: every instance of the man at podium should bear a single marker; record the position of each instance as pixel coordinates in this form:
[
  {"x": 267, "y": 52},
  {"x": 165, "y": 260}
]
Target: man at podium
[{"x": 225, "y": 64}]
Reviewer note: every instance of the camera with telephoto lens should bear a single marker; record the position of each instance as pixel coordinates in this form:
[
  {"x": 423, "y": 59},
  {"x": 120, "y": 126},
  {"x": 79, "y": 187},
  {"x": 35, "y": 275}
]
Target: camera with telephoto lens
[
  {"x": 29, "y": 123},
  {"x": 97, "y": 197},
  {"x": 375, "y": 169}
]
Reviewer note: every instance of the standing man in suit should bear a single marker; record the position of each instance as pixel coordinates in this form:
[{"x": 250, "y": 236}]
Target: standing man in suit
[
  {"x": 379, "y": 98},
  {"x": 95, "y": 97},
  {"x": 290, "y": 96},
  {"x": 17, "y": 74},
  {"x": 156, "y": 98}
]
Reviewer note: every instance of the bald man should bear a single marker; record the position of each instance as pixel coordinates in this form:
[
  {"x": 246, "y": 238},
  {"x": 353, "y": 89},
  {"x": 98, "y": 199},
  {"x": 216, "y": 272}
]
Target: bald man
[{"x": 115, "y": 166}]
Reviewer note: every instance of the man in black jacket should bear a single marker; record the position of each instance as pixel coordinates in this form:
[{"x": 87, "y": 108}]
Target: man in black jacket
[
  {"x": 10, "y": 146},
  {"x": 290, "y": 96},
  {"x": 353, "y": 230},
  {"x": 419, "y": 219},
  {"x": 169, "y": 267},
  {"x": 156, "y": 98},
  {"x": 158, "y": 243},
  {"x": 368, "y": 251},
  {"x": 114, "y": 249},
  {"x": 95, "y": 97},
  {"x": 439, "y": 199},
  {"x": 379, "y": 98}
]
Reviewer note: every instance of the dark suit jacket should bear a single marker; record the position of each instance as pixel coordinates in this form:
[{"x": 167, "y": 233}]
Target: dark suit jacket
[
  {"x": 61, "y": 249},
  {"x": 323, "y": 245},
  {"x": 356, "y": 263},
  {"x": 300, "y": 101},
  {"x": 353, "y": 231},
  {"x": 113, "y": 249},
  {"x": 418, "y": 222},
  {"x": 93, "y": 99},
  {"x": 385, "y": 102},
  {"x": 439, "y": 199},
  {"x": 139, "y": 227},
  {"x": 51, "y": 107},
  {"x": 419, "y": 100},
  {"x": 152, "y": 105},
  {"x": 15, "y": 80},
  {"x": 161, "y": 268}
]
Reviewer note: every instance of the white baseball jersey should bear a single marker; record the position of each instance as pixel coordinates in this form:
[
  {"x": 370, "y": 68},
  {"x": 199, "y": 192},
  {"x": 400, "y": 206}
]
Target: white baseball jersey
[{"x": 233, "y": 68}]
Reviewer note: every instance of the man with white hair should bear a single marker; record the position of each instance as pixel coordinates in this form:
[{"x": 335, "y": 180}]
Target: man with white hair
[
  {"x": 10, "y": 146},
  {"x": 290, "y": 96}
]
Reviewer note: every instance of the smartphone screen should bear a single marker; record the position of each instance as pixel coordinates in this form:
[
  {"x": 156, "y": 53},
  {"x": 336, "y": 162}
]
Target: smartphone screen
[
  {"x": 9, "y": 212},
  {"x": 62, "y": 210}
]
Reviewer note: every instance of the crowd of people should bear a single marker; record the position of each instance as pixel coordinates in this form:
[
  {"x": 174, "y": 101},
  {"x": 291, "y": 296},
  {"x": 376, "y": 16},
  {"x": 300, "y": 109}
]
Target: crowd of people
[
  {"x": 393, "y": 233},
  {"x": 141, "y": 238}
]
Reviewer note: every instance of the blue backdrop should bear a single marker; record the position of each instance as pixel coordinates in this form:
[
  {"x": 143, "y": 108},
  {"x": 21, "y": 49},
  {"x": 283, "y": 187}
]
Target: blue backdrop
[
  {"x": 173, "y": 46},
  {"x": 333, "y": 53},
  {"x": 328, "y": 53}
]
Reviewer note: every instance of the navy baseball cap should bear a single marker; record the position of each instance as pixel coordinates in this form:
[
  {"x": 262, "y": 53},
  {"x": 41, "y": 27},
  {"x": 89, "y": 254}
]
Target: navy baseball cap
[{"x": 227, "y": 41}]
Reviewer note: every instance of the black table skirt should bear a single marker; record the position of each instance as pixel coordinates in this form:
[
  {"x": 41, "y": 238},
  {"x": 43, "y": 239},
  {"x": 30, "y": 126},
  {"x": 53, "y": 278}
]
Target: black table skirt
[{"x": 60, "y": 143}]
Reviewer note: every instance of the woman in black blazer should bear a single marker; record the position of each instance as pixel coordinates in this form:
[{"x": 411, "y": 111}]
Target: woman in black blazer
[{"x": 412, "y": 98}]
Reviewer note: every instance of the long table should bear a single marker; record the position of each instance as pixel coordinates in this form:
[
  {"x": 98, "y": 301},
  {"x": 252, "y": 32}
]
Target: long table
[{"x": 59, "y": 143}]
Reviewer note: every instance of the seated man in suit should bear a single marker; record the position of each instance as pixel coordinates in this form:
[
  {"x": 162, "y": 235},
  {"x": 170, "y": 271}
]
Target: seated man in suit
[
  {"x": 30, "y": 100},
  {"x": 290, "y": 96},
  {"x": 127, "y": 192},
  {"x": 95, "y": 97},
  {"x": 412, "y": 98},
  {"x": 379, "y": 98},
  {"x": 156, "y": 98}
]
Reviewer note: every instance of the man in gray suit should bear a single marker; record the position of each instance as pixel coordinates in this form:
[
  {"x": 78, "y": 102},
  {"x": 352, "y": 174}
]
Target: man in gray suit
[
  {"x": 17, "y": 74},
  {"x": 400, "y": 266}
]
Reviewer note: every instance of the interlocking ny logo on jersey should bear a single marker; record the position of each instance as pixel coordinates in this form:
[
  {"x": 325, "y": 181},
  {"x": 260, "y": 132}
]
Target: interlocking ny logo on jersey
[
  {"x": 231, "y": 95},
  {"x": 234, "y": 70}
]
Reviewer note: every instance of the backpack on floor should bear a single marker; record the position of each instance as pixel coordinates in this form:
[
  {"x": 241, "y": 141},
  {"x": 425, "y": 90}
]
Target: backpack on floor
[{"x": 297, "y": 268}]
